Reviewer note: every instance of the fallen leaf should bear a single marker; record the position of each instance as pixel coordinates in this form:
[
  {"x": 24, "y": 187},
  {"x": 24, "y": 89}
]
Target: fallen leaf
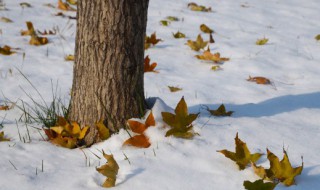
[
  {"x": 208, "y": 56},
  {"x": 65, "y": 6},
  {"x": 31, "y": 31},
  {"x": 6, "y": 50},
  {"x": 25, "y": 4},
  {"x": 180, "y": 122},
  {"x": 69, "y": 58},
  {"x": 317, "y": 37},
  {"x": 279, "y": 170},
  {"x": 242, "y": 156},
  {"x": 72, "y": 2},
  {"x": 262, "y": 41},
  {"x": 172, "y": 18},
  {"x": 110, "y": 170},
  {"x": 103, "y": 131},
  {"x": 216, "y": 68},
  {"x": 2, "y": 138},
  {"x": 138, "y": 127},
  {"x": 195, "y": 7},
  {"x": 65, "y": 16},
  {"x": 49, "y": 5},
  {"x": 220, "y": 112},
  {"x": 37, "y": 41},
  {"x": 148, "y": 67},
  {"x": 152, "y": 40},
  {"x": 211, "y": 39},
  {"x": 178, "y": 35},
  {"x": 5, "y": 19},
  {"x": 259, "y": 185},
  {"x": 164, "y": 22},
  {"x": 259, "y": 80},
  {"x": 204, "y": 28},
  {"x": 198, "y": 44},
  {"x": 174, "y": 89}
]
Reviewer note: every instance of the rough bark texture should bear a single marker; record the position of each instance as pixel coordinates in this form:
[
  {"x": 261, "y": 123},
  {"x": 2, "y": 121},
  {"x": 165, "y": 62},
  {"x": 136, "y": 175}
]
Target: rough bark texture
[{"x": 109, "y": 58}]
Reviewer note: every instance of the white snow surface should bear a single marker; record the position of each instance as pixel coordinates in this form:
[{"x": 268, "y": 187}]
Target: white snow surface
[{"x": 283, "y": 115}]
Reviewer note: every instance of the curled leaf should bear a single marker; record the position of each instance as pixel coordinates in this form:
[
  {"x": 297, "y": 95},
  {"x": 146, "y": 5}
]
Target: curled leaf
[
  {"x": 259, "y": 80},
  {"x": 110, "y": 170},
  {"x": 178, "y": 35},
  {"x": 195, "y": 7},
  {"x": 242, "y": 156},
  {"x": 25, "y": 4},
  {"x": 262, "y": 41}
]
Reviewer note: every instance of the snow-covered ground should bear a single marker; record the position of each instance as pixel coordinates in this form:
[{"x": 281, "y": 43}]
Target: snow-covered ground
[{"x": 282, "y": 115}]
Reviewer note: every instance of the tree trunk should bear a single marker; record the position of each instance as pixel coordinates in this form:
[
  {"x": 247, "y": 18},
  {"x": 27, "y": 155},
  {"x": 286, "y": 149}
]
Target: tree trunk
[{"x": 109, "y": 62}]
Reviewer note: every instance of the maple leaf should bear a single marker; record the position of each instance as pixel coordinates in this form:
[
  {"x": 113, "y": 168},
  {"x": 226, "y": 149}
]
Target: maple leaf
[
  {"x": 259, "y": 80},
  {"x": 262, "y": 41},
  {"x": 66, "y": 134},
  {"x": 198, "y": 44},
  {"x": 148, "y": 67},
  {"x": 152, "y": 40},
  {"x": 208, "y": 56},
  {"x": 178, "y": 35},
  {"x": 174, "y": 89},
  {"x": 195, "y": 7},
  {"x": 204, "y": 28},
  {"x": 103, "y": 131},
  {"x": 279, "y": 170},
  {"x": 242, "y": 156},
  {"x": 259, "y": 185},
  {"x": 110, "y": 170},
  {"x": 2, "y": 138},
  {"x": 6, "y": 50},
  {"x": 220, "y": 112},
  {"x": 140, "y": 140},
  {"x": 65, "y": 6},
  {"x": 180, "y": 122}
]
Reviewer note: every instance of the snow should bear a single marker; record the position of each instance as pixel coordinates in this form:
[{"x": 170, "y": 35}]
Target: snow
[{"x": 282, "y": 115}]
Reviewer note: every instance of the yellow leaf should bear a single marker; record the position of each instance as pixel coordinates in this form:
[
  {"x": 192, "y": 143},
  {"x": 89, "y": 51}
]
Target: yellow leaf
[
  {"x": 178, "y": 35},
  {"x": 174, "y": 89},
  {"x": 262, "y": 41},
  {"x": 164, "y": 22},
  {"x": 204, "y": 28},
  {"x": 110, "y": 170},
  {"x": 279, "y": 170},
  {"x": 198, "y": 44},
  {"x": 30, "y": 30},
  {"x": 208, "y": 56},
  {"x": 83, "y": 132},
  {"x": 317, "y": 37},
  {"x": 65, "y": 6},
  {"x": 172, "y": 18},
  {"x": 103, "y": 131},
  {"x": 5, "y": 19},
  {"x": 57, "y": 129},
  {"x": 195, "y": 7},
  {"x": 180, "y": 122},
  {"x": 72, "y": 2},
  {"x": 66, "y": 142},
  {"x": 259, "y": 185},
  {"x": 2, "y": 138},
  {"x": 242, "y": 156},
  {"x": 69, "y": 58},
  {"x": 38, "y": 41},
  {"x": 220, "y": 112}
]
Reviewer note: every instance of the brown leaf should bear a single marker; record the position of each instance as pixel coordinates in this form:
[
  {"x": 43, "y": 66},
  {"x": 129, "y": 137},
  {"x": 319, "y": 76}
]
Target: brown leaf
[
  {"x": 208, "y": 56},
  {"x": 6, "y": 50},
  {"x": 259, "y": 80},
  {"x": 30, "y": 30},
  {"x": 38, "y": 41},
  {"x": 152, "y": 40},
  {"x": 148, "y": 67},
  {"x": 140, "y": 141},
  {"x": 110, "y": 170}
]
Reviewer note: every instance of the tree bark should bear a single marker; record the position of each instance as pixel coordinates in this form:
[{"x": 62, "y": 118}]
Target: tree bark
[{"x": 109, "y": 62}]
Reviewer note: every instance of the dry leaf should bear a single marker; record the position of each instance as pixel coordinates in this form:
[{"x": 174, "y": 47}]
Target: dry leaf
[
  {"x": 152, "y": 40},
  {"x": 180, "y": 122},
  {"x": 6, "y": 50},
  {"x": 204, "y": 28},
  {"x": 259, "y": 80},
  {"x": 103, "y": 130},
  {"x": 49, "y": 5},
  {"x": 31, "y": 31},
  {"x": 72, "y": 2},
  {"x": 172, "y": 18},
  {"x": 37, "y": 41},
  {"x": 279, "y": 170},
  {"x": 242, "y": 156},
  {"x": 69, "y": 58},
  {"x": 2, "y": 138},
  {"x": 259, "y": 185},
  {"x": 317, "y": 37},
  {"x": 174, "y": 89},
  {"x": 220, "y": 112},
  {"x": 65, "y": 6},
  {"x": 178, "y": 35},
  {"x": 195, "y": 7},
  {"x": 164, "y": 22},
  {"x": 25, "y": 4},
  {"x": 198, "y": 44},
  {"x": 5, "y": 19},
  {"x": 208, "y": 56},
  {"x": 65, "y": 16},
  {"x": 262, "y": 41},
  {"x": 110, "y": 170},
  {"x": 140, "y": 140},
  {"x": 148, "y": 67}
]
